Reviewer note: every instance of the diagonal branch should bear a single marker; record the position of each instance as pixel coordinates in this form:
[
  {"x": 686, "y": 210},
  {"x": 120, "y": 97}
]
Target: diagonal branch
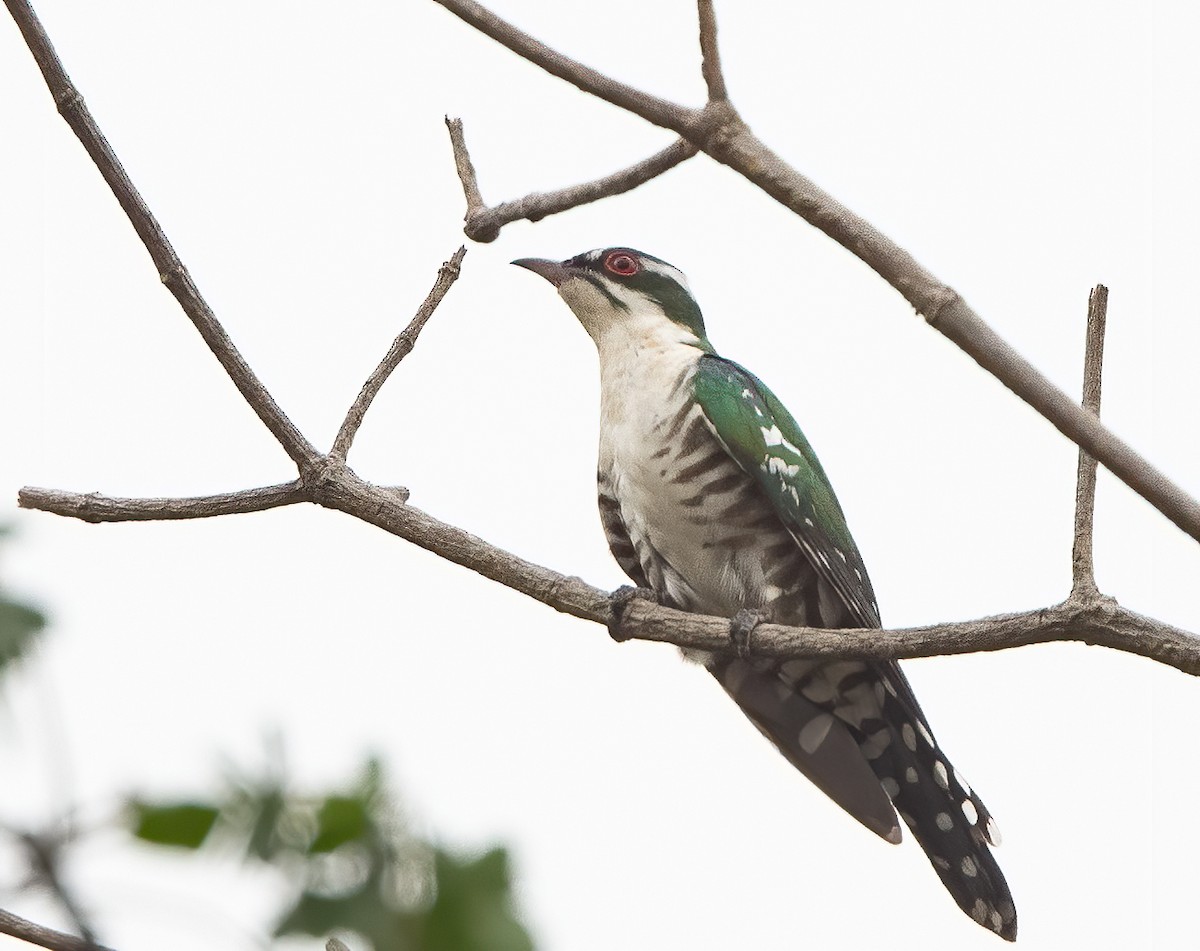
[
  {"x": 661, "y": 112},
  {"x": 401, "y": 348},
  {"x": 1082, "y": 569},
  {"x": 483, "y": 224},
  {"x": 719, "y": 132},
  {"x": 17, "y": 927},
  {"x": 170, "y": 268}
]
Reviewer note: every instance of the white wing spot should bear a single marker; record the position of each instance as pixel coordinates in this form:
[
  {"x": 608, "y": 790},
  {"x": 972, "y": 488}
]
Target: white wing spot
[
  {"x": 779, "y": 467},
  {"x": 809, "y": 523},
  {"x": 910, "y": 775},
  {"x": 944, "y": 822},
  {"x": 968, "y": 867},
  {"x": 909, "y": 736},
  {"x": 925, "y": 734},
  {"x": 939, "y": 774},
  {"x": 841, "y": 554},
  {"x": 970, "y": 812},
  {"x": 890, "y": 786},
  {"x": 980, "y": 910},
  {"x": 891, "y": 687},
  {"x": 997, "y": 921}
]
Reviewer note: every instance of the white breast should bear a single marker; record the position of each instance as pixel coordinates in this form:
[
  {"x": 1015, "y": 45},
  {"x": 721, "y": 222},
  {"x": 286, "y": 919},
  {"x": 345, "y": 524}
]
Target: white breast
[{"x": 689, "y": 555}]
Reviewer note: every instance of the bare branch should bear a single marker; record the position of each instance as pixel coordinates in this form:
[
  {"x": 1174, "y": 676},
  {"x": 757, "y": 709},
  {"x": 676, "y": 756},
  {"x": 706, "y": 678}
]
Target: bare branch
[
  {"x": 1099, "y": 620},
  {"x": 18, "y": 927},
  {"x": 170, "y": 268},
  {"x": 483, "y": 224},
  {"x": 401, "y": 348},
  {"x": 1082, "y": 568},
  {"x": 96, "y": 508},
  {"x": 710, "y": 63},
  {"x": 466, "y": 170},
  {"x": 661, "y": 112}
]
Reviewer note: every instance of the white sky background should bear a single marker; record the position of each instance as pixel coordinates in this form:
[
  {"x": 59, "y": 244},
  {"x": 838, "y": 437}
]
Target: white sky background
[{"x": 296, "y": 155}]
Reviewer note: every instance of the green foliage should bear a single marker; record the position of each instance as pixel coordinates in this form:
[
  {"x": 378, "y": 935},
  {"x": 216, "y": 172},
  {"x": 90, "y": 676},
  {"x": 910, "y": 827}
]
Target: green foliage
[
  {"x": 184, "y": 824},
  {"x": 19, "y": 625},
  {"x": 473, "y": 906},
  {"x": 356, "y": 866}
]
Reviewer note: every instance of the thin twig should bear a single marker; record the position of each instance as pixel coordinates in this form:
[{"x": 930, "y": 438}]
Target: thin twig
[
  {"x": 401, "y": 348},
  {"x": 1100, "y": 621},
  {"x": 17, "y": 927},
  {"x": 96, "y": 508},
  {"x": 483, "y": 224},
  {"x": 170, "y": 268},
  {"x": 465, "y": 168},
  {"x": 721, "y": 134},
  {"x": 710, "y": 54},
  {"x": 1083, "y": 573}
]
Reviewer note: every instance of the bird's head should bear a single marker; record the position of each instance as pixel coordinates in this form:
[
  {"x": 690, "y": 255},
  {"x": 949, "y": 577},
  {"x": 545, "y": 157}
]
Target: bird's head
[{"x": 615, "y": 289}]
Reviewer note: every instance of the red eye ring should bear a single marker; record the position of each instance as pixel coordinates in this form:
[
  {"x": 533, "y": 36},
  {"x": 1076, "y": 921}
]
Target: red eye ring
[{"x": 621, "y": 263}]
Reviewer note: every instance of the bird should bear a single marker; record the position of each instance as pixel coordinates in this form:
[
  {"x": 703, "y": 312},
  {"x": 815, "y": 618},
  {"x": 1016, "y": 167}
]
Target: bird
[{"x": 713, "y": 501}]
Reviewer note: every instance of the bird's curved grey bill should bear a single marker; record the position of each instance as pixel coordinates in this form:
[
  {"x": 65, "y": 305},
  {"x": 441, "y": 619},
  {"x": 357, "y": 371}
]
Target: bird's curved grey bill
[{"x": 553, "y": 271}]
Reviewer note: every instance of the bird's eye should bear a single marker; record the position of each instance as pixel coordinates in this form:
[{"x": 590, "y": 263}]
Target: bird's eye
[{"x": 621, "y": 263}]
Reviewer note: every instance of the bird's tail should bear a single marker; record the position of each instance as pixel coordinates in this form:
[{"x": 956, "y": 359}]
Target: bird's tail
[
  {"x": 856, "y": 730},
  {"x": 946, "y": 817}
]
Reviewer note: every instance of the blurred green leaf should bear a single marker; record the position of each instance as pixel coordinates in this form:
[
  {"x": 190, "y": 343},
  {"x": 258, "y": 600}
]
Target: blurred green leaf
[
  {"x": 185, "y": 825},
  {"x": 341, "y": 819},
  {"x": 473, "y": 909},
  {"x": 19, "y": 625}
]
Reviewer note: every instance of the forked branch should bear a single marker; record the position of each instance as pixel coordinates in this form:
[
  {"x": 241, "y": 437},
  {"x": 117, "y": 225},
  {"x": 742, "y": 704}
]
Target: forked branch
[
  {"x": 483, "y": 223},
  {"x": 718, "y": 131}
]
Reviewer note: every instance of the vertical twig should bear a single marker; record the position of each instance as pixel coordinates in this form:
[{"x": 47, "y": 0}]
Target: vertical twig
[
  {"x": 710, "y": 55},
  {"x": 1083, "y": 578},
  {"x": 465, "y": 167}
]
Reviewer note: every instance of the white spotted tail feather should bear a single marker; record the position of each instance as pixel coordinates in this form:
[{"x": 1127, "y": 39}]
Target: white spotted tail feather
[{"x": 946, "y": 817}]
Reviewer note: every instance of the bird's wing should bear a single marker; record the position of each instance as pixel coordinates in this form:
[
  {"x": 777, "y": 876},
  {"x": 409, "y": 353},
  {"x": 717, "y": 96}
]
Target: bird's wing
[{"x": 760, "y": 435}]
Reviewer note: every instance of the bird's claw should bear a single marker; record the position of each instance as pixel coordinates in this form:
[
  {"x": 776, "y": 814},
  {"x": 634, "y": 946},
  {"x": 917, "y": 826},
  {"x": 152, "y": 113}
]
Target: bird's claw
[
  {"x": 618, "y": 604},
  {"x": 741, "y": 629}
]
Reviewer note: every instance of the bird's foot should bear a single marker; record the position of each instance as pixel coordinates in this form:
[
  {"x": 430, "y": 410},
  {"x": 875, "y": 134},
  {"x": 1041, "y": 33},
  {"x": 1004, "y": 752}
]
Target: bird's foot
[
  {"x": 741, "y": 629},
  {"x": 618, "y": 604}
]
